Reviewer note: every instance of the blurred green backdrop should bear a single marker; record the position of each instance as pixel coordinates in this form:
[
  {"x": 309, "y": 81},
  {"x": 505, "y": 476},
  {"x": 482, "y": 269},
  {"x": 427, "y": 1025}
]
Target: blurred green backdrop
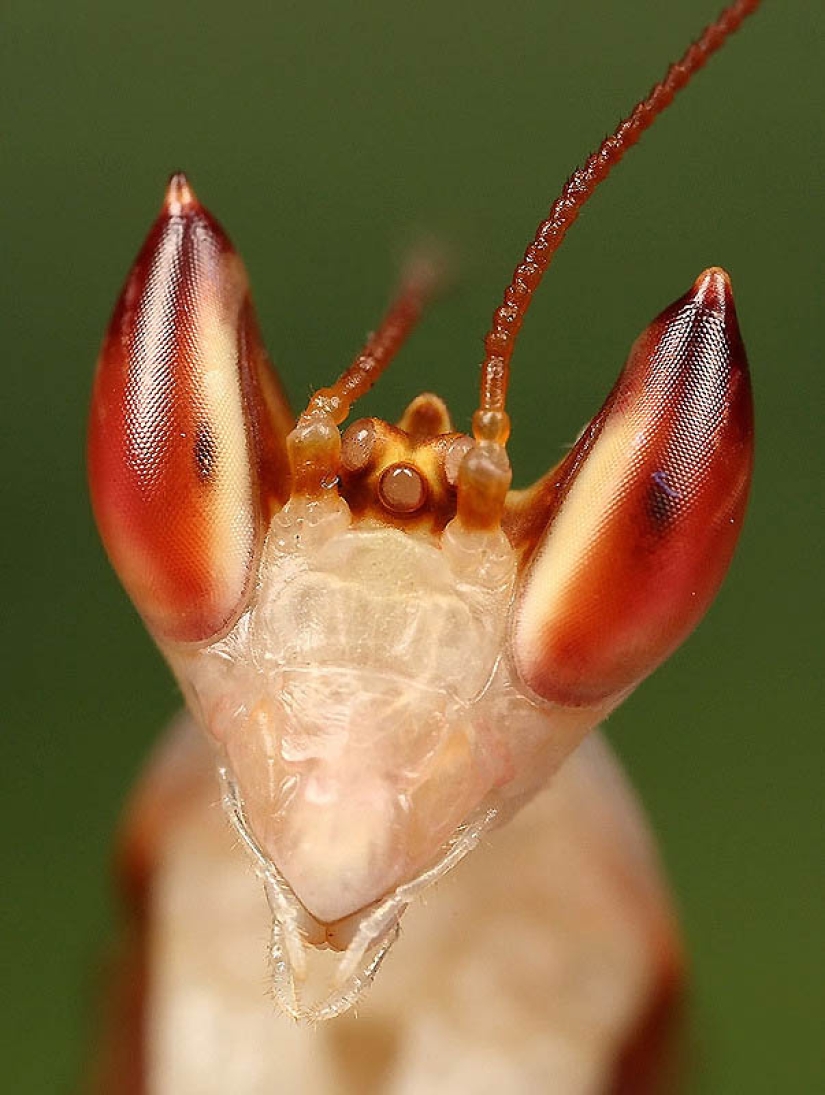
[{"x": 328, "y": 137}]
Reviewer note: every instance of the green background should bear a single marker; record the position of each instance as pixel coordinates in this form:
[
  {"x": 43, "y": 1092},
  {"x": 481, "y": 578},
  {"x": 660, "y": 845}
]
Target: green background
[{"x": 328, "y": 138}]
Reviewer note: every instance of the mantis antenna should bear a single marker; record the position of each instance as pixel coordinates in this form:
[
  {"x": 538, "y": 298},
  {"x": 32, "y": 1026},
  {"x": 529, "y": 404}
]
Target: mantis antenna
[
  {"x": 418, "y": 285},
  {"x": 490, "y": 421}
]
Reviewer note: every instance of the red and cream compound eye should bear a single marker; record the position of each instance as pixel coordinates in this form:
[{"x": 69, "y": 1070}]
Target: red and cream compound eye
[
  {"x": 186, "y": 438},
  {"x": 388, "y": 652},
  {"x": 649, "y": 505}
]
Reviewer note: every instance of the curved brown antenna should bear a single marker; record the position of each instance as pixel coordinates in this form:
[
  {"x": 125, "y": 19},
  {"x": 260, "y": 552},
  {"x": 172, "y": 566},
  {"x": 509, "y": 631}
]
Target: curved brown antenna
[
  {"x": 314, "y": 446},
  {"x": 419, "y": 283},
  {"x": 490, "y": 423}
]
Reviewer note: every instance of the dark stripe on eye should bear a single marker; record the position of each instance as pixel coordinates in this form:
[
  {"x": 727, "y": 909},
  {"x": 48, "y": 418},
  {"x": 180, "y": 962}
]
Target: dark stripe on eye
[
  {"x": 661, "y": 501},
  {"x": 206, "y": 454}
]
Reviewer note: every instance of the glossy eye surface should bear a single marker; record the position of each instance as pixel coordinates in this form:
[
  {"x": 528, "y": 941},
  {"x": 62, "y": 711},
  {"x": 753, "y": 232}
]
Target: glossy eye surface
[
  {"x": 649, "y": 507},
  {"x": 186, "y": 436},
  {"x": 402, "y": 489}
]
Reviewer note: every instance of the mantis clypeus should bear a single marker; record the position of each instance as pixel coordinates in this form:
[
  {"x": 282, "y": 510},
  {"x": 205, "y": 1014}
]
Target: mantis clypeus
[{"x": 388, "y": 653}]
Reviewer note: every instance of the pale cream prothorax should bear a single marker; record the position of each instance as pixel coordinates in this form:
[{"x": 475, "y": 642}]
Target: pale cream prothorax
[{"x": 365, "y": 707}]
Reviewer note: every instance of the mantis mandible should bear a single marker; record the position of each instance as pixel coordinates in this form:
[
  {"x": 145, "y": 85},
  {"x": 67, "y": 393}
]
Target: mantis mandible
[{"x": 386, "y": 654}]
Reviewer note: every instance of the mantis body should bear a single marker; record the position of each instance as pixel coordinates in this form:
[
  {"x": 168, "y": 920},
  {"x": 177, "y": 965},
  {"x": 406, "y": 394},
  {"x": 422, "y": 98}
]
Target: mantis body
[{"x": 388, "y": 654}]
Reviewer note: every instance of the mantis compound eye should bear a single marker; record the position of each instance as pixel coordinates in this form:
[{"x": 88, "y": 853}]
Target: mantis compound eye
[
  {"x": 186, "y": 436},
  {"x": 648, "y": 509}
]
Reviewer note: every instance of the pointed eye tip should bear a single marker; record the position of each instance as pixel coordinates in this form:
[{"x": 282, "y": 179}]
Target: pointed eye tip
[
  {"x": 713, "y": 291},
  {"x": 179, "y": 198}
]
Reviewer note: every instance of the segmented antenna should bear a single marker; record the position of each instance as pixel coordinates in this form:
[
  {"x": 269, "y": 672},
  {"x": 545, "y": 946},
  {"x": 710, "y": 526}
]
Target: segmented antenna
[
  {"x": 490, "y": 422},
  {"x": 420, "y": 282}
]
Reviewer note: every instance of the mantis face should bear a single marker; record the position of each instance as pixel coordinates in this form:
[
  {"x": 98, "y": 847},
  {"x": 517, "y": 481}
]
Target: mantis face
[{"x": 389, "y": 649}]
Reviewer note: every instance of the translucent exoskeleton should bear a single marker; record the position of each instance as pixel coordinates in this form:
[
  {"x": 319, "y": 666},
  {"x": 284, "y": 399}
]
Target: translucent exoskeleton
[{"x": 390, "y": 652}]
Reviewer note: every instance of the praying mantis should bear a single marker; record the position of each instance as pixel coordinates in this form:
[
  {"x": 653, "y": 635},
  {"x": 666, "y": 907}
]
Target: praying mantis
[{"x": 389, "y": 657}]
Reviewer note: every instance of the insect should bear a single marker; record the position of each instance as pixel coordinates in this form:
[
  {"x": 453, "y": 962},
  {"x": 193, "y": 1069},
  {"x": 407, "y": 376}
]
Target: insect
[{"x": 390, "y": 653}]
